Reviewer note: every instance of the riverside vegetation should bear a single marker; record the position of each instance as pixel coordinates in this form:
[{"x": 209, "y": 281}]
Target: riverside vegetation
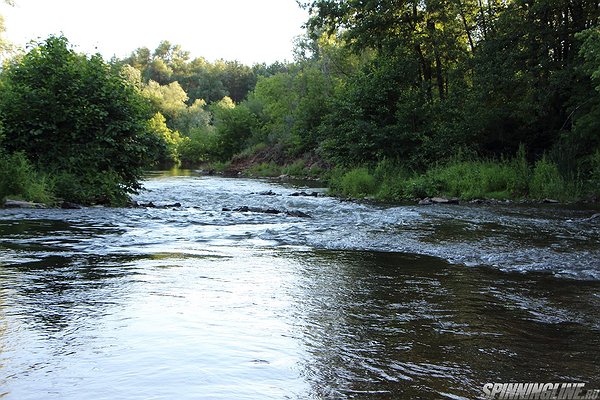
[{"x": 470, "y": 99}]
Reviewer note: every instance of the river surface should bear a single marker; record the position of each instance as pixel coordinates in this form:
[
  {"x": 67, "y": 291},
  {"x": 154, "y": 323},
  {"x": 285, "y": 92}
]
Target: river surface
[{"x": 358, "y": 302}]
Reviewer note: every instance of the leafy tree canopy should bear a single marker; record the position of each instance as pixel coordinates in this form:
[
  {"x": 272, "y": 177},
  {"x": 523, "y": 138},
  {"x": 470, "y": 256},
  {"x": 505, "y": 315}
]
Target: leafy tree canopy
[{"x": 76, "y": 117}]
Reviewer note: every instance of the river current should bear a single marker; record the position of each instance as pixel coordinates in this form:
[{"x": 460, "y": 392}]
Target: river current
[{"x": 358, "y": 301}]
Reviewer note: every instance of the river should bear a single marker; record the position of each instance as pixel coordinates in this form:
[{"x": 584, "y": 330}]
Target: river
[{"x": 360, "y": 301}]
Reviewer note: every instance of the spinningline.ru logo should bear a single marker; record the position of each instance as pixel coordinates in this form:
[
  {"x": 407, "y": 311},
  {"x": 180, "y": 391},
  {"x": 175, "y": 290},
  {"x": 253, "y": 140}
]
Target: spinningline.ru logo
[{"x": 527, "y": 391}]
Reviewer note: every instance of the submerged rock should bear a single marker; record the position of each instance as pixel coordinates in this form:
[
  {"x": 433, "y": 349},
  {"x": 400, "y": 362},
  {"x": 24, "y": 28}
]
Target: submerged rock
[
  {"x": 244, "y": 209},
  {"x": 444, "y": 200},
  {"x": 438, "y": 200},
  {"x": 595, "y": 217},
  {"x": 298, "y": 214},
  {"x": 152, "y": 205},
  {"x": 550, "y": 201},
  {"x": 305, "y": 194},
  {"x": 67, "y": 205}
]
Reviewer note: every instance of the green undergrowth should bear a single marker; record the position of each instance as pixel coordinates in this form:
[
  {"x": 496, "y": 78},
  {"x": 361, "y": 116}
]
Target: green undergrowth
[
  {"x": 19, "y": 180},
  {"x": 464, "y": 179}
]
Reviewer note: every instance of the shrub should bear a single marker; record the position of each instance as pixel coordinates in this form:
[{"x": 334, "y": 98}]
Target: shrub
[
  {"x": 19, "y": 179},
  {"x": 201, "y": 146},
  {"x": 265, "y": 169},
  {"x": 357, "y": 182},
  {"x": 546, "y": 181},
  {"x": 70, "y": 113},
  {"x": 98, "y": 188},
  {"x": 594, "y": 181},
  {"x": 297, "y": 168}
]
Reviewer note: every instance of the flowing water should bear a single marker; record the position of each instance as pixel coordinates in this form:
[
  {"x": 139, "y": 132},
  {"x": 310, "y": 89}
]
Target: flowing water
[{"x": 358, "y": 302}]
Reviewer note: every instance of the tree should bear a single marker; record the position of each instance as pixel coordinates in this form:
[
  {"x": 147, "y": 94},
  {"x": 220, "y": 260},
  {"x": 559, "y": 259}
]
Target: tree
[
  {"x": 169, "y": 99},
  {"x": 170, "y": 139},
  {"x": 78, "y": 119},
  {"x": 234, "y": 126}
]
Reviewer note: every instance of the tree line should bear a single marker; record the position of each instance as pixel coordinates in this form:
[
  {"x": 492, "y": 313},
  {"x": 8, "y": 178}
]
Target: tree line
[{"x": 391, "y": 98}]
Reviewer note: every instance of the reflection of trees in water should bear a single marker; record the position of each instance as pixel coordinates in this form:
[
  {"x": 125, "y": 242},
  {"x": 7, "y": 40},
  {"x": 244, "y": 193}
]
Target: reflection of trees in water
[{"x": 398, "y": 325}]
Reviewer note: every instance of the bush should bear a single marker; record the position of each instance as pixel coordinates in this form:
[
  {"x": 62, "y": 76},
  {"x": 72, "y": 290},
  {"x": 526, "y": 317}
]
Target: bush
[
  {"x": 297, "y": 168},
  {"x": 169, "y": 151},
  {"x": 594, "y": 181},
  {"x": 357, "y": 183},
  {"x": 201, "y": 146},
  {"x": 265, "y": 169},
  {"x": 98, "y": 188},
  {"x": 19, "y": 179},
  {"x": 546, "y": 181},
  {"x": 70, "y": 113}
]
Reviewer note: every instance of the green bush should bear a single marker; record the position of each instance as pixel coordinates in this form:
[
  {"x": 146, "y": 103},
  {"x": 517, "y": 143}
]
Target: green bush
[
  {"x": 98, "y": 188},
  {"x": 522, "y": 173},
  {"x": 297, "y": 168},
  {"x": 265, "y": 169},
  {"x": 546, "y": 181},
  {"x": 594, "y": 181},
  {"x": 201, "y": 146},
  {"x": 76, "y": 114},
  {"x": 357, "y": 183},
  {"x": 169, "y": 151},
  {"x": 19, "y": 179}
]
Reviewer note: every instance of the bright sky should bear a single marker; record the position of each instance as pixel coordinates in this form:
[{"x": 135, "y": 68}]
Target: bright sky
[{"x": 250, "y": 31}]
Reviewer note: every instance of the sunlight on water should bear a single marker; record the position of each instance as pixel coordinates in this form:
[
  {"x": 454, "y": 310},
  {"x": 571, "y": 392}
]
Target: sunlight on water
[{"x": 193, "y": 302}]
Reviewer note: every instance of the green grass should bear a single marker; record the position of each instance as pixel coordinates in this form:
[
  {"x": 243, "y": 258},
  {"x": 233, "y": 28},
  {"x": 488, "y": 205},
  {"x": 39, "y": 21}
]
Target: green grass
[
  {"x": 297, "y": 168},
  {"x": 464, "y": 179},
  {"x": 356, "y": 183},
  {"x": 265, "y": 170},
  {"x": 19, "y": 180}
]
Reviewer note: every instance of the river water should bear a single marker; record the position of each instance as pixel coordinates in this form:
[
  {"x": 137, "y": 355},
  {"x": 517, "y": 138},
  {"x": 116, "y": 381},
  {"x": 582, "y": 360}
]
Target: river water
[{"x": 358, "y": 302}]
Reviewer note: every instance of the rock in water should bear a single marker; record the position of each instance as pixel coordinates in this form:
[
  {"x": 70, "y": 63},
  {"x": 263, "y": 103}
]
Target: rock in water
[
  {"x": 70, "y": 206},
  {"x": 444, "y": 200},
  {"x": 9, "y": 203}
]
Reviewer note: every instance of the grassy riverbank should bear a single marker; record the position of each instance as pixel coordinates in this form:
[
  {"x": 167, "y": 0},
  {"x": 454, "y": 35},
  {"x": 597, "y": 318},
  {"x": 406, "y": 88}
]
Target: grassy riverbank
[{"x": 461, "y": 177}]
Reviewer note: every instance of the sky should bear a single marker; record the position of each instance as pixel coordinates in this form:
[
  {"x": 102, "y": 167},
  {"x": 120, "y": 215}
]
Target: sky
[{"x": 249, "y": 31}]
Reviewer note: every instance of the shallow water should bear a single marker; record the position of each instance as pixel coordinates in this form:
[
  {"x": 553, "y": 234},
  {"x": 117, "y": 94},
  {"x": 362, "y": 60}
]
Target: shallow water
[{"x": 359, "y": 301}]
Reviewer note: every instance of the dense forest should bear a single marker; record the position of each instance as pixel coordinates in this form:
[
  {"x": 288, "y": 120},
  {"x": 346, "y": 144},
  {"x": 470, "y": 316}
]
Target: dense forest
[{"x": 385, "y": 98}]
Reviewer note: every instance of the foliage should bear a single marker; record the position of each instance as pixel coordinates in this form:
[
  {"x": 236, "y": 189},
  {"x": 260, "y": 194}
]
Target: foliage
[
  {"x": 594, "y": 177},
  {"x": 72, "y": 114},
  {"x": 234, "y": 126},
  {"x": 357, "y": 183},
  {"x": 19, "y": 179},
  {"x": 297, "y": 168},
  {"x": 168, "y": 153},
  {"x": 269, "y": 169},
  {"x": 546, "y": 181},
  {"x": 200, "y": 80},
  {"x": 200, "y": 146},
  {"x": 169, "y": 100}
]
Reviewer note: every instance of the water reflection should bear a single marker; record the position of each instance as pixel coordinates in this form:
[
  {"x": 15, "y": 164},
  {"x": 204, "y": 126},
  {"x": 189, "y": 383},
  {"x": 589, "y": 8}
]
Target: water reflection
[
  {"x": 197, "y": 303},
  {"x": 390, "y": 326}
]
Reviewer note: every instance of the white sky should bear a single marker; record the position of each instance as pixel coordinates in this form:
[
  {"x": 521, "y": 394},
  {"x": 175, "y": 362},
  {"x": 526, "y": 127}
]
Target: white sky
[{"x": 250, "y": 31}]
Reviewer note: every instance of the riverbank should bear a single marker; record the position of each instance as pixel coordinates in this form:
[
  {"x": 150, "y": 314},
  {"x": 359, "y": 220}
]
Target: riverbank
[{"x": 465, "y": 180}]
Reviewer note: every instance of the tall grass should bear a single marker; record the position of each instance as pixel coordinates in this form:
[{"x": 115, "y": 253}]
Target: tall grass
[
  {"x": 356, "y": 183},
  {"x": 18, "y": 179},
  {"x": 462, "y": 177}
]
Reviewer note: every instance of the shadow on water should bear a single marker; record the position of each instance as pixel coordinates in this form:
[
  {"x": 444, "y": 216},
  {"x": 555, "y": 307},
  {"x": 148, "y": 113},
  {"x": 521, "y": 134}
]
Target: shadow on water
[
  {"x": 194, "y": 302},
  {"x": 389, "y": 326}
]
